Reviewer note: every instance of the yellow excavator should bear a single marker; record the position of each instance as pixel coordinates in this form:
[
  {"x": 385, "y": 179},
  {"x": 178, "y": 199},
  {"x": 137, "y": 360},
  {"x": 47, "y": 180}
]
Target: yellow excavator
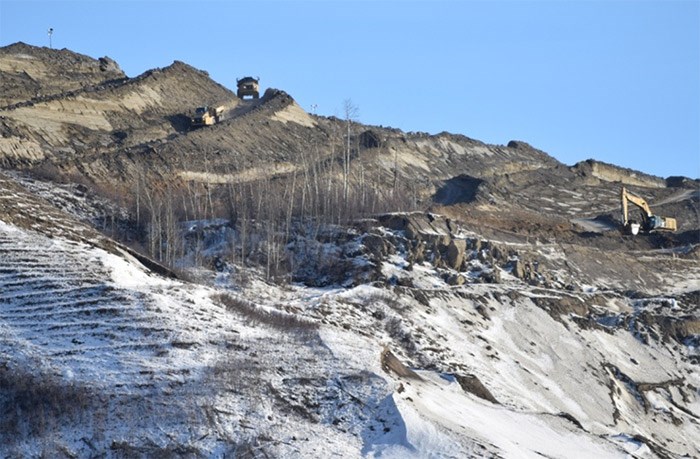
[{"x": 648, "y": 221}]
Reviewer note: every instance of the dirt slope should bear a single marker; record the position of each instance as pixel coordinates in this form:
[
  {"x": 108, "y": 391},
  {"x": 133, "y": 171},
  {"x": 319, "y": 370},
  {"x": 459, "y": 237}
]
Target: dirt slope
[
  {"x": 89, "y": 115},
  {"x": 104, "y": 128},
  {"x": 32, "y": 73}
]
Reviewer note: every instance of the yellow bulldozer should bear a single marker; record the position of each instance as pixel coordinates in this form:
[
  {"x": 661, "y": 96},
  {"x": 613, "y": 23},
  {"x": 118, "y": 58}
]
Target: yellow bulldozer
[
  {"x": 206, "y": 116},
  {"x": 647, "y": 222}
]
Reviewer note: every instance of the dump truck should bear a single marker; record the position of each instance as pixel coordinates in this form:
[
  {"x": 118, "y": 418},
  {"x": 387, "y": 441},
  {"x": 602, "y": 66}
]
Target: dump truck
[
  {"x": 248, "y": 87},
  {"x": 206, "y": 116},
  {"x": 647, "y": 222}
]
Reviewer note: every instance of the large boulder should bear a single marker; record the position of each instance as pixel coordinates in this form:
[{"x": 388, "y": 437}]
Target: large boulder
[{"x": 455, "y": 253}]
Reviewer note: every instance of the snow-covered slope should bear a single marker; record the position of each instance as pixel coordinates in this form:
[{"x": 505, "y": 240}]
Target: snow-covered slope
[{"x": 102, "y": 356}]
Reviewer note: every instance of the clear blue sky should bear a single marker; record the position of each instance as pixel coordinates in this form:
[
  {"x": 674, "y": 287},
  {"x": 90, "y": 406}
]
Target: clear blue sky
[{"x": 617, "y": 81}]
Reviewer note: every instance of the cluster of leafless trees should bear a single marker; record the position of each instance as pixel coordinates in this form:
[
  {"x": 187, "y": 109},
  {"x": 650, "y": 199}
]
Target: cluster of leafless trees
[{"x": 329, "y": 185}]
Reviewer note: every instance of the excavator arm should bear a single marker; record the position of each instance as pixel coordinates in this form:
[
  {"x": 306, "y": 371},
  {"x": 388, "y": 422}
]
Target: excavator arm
[{"x": 628, "y": 197}]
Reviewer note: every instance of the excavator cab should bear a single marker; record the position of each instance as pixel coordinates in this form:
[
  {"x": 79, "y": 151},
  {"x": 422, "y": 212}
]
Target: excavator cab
[
  {"x": 656, "y": 222},
  {"x": 648, "y": 222}
]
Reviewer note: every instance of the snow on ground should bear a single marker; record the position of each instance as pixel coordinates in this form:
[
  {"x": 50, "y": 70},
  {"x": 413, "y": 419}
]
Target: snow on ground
[
  {"x": 553, "y": 377},
  {"x": 438, "y": 405},
  {"x": 158, "y": 363},
  {"x": 594, "y": 225},
  {"x": 102, "y": 315},
  {"x": 179, "y": 367}
]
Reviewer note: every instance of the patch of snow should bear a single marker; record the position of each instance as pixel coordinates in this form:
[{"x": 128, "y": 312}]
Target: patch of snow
[{"x": 513, "y": 433}]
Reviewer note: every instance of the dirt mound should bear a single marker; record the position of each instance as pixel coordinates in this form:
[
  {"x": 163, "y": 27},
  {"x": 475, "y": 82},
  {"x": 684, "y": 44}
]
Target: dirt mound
[
  {"x": 30, "y": 72},
  {"x": 101, "y": 116}
]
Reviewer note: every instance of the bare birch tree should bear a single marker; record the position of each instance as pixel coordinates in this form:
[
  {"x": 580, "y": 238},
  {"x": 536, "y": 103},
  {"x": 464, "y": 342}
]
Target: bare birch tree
[{"x": 350, "y": 111}]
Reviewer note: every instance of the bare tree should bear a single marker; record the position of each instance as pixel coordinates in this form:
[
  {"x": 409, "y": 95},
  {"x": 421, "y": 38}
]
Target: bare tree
[{"x": 350, "y": 111}]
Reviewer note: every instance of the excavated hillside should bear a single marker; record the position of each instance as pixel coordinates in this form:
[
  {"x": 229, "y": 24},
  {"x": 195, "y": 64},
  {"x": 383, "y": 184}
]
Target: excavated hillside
[
  {"x": 100, "y": 117},
  {"x": 270, "y": 286},
  {"x": 112, "y": 130},
  {"x": 30, "y": 73}
]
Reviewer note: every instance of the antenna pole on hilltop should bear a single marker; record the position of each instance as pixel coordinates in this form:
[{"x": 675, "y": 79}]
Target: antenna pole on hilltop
[{"x": 50, "y": 33}]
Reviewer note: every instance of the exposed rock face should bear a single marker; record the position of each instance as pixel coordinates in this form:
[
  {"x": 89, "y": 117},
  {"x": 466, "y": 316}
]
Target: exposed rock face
[
  {"x": 426, "y": 238},
  {"x": 390, "y": 363},
  {"x": 108, "y": 65},
  {"x": 455, "y": 253},
  {"x": 682, "y": 182},
  {"x": 432, "y": 238},
  {"x": 612, "y": 173},
  {"x": 520, "y": 145},
  {"x": 460, "y": 189},
  {"x": 370, "y": 139},
  {"x": 472, "y": 384}
]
